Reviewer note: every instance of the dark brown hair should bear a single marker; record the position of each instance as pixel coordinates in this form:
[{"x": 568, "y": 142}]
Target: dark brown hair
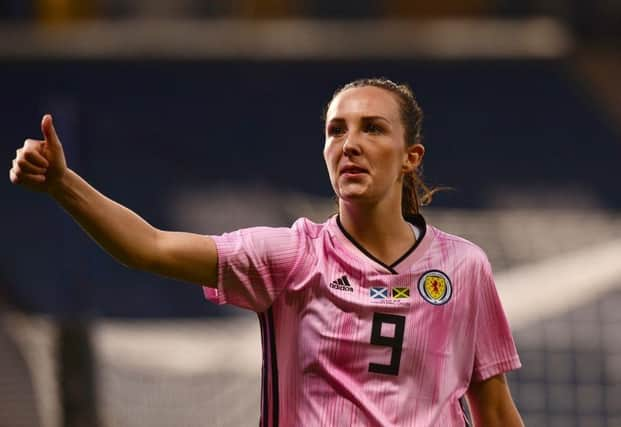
[{"x": 415, "y": 192}]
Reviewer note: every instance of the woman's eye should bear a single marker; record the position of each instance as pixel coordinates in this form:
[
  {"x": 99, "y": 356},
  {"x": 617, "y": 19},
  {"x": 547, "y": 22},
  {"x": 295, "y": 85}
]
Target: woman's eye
[
  {"x": 335, "y": 130},
  {"x": 373, "y": 128}
]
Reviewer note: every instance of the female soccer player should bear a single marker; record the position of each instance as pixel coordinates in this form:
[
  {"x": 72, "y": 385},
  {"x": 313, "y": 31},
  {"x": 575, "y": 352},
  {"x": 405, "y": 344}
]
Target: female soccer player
[{"x": 373, "y": 318}]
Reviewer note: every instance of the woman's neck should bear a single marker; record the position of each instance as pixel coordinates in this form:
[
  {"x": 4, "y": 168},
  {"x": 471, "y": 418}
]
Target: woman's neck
[{"x": 381, "y": 230}]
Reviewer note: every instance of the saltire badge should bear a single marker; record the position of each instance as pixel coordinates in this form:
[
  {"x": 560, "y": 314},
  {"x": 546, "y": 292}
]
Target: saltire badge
[
  {"x": 378, "y": 292},
  {"x": 400, "y": 293},
  {"x": 435, "y": 287}
]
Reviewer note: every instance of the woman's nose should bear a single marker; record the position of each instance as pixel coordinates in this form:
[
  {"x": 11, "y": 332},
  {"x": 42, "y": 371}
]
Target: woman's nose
[{"x": 351, "y": 146}]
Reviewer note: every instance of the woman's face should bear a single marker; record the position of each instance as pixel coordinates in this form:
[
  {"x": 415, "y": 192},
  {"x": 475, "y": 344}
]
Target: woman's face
[{"x": 365, "y": 150}]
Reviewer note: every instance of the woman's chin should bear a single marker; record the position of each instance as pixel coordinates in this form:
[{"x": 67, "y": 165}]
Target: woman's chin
[{"x": 353, "y": 195}]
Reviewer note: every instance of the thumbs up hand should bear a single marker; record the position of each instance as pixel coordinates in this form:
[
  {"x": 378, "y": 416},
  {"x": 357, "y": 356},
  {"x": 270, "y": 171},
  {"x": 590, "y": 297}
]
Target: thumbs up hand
[{"x": 40, "y": 164}]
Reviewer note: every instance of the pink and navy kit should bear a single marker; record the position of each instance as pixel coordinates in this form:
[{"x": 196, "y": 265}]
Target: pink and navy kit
[{"x": 351, "y": 341}]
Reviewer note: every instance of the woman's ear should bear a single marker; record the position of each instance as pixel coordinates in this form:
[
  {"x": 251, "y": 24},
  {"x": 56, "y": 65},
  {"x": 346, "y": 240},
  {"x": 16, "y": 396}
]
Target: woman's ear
[{"x": 413, "y": 158}]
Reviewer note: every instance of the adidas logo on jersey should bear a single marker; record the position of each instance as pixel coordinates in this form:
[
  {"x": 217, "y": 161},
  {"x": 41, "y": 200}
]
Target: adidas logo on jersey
[{"x": 342, "y": 284}]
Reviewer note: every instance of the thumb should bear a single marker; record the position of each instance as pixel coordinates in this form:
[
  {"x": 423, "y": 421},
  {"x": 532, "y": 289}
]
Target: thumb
[{"x": 49, "y": 133}]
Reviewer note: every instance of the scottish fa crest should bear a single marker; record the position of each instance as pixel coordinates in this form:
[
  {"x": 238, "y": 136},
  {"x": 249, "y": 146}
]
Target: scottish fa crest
[{"x": 435, "y": 287}]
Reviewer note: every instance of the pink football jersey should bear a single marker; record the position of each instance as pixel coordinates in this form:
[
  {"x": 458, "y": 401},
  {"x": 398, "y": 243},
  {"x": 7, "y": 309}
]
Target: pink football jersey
[{"x": 351, "y": 341}]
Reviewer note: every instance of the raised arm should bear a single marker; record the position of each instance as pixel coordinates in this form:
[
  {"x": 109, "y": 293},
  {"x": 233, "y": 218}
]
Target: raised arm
[{"x": 40, "y": 165}]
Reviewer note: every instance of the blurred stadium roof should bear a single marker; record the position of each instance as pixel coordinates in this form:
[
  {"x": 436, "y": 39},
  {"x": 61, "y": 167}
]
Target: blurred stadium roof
[{"x": 532, "y": 37}]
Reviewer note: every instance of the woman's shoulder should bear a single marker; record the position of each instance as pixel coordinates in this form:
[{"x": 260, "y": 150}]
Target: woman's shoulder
[
  {"x": 311, "y": 228},
  {"x": 460, "y": 245}
]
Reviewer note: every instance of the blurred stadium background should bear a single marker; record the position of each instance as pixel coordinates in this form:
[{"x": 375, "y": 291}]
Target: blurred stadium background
[{"x": 205, "y": 117}]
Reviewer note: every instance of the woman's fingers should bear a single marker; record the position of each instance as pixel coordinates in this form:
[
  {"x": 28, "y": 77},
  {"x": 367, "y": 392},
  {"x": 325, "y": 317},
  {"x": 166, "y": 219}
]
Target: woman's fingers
[
  {"x": 38, "y": 164},
  {"x": 19, "y": 177},
  {"x": 29, "y": 160},
  {"x": 33, "y": 153},
  {"x": 29, "y": 166},
  {"x": 25, "y": 166}
]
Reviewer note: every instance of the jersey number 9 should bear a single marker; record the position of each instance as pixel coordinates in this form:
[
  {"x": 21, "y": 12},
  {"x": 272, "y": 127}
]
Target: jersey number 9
[{"x": 395, "y": 342}]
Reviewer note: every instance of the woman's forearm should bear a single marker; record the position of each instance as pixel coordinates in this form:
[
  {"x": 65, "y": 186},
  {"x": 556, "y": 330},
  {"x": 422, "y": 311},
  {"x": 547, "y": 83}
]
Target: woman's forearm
[{"x": 118, "y": 230}]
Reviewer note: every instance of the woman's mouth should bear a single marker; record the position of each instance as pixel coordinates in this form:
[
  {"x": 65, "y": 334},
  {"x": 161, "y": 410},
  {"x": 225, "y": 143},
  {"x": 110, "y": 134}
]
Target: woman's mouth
[{"x": 352, "y": 170}]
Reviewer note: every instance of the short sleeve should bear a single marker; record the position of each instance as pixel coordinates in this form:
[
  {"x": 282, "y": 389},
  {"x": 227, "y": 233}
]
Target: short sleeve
[
  {"x": 495, "y": 350},
  {"x": 254, "y": 265}
]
